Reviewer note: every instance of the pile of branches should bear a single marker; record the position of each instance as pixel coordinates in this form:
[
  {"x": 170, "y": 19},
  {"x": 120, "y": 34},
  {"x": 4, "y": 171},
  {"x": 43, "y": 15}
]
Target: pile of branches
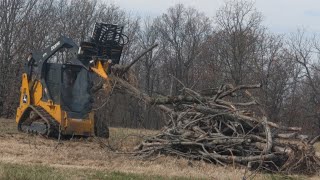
[{"x": 226, "y": 126}]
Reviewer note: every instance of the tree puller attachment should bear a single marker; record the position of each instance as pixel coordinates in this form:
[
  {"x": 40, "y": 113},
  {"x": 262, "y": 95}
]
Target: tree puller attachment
[{"x": 56, "y": 95}]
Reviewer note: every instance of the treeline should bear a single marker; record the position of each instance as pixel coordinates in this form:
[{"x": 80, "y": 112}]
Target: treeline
[{"x": 195, "y": 50}]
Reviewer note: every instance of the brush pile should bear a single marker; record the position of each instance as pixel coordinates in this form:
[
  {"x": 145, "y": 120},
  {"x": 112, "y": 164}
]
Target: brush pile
[{"x": 215, "y": 126}]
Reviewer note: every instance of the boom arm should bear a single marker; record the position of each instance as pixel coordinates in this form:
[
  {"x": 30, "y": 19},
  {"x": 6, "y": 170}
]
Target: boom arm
[
  {"x": 104, "y": 48},
  {"x": 40, "y": 59}
]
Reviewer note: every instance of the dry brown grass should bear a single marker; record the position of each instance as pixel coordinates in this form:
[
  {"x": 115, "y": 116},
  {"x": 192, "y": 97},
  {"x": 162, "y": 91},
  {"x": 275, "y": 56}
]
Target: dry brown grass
[
  {"x": 317, "y": 146},
  {"x": 103, "y": 155},
  {"x": 125, "y": 139}
]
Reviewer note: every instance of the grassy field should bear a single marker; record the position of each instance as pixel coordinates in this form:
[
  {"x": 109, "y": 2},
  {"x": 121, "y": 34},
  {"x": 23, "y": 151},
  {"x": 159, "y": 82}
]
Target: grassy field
[
  {"x": 40, "y": 172},
  {"x": 9, "y": 171},
  {"x": 32, "y": 157}
]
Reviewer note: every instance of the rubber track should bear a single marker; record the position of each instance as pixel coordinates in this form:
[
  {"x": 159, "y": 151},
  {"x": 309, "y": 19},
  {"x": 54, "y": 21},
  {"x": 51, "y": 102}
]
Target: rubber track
[{"x": 54, "y": 125}]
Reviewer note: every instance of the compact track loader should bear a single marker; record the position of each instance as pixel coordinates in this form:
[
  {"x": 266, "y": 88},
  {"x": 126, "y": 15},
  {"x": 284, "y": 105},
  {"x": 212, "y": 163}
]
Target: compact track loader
[{"x": 56, "y": 95}]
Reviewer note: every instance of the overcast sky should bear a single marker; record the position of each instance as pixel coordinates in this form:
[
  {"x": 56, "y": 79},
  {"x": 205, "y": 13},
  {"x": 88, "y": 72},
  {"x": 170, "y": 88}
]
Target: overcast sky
[{"x": 280, "y": 16}]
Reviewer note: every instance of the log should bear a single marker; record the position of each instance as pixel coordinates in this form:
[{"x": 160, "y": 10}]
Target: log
[
  {"x": 230, "y": 91},
  {"x": 239, "y": 159},
  {"x": 137, "y": 59},
  {"x": 176, "y": 99}
]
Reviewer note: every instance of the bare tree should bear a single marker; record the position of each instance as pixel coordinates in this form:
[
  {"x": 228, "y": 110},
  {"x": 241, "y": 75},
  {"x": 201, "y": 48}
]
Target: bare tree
[
  {"x": 238, "y": 29},
  {"x": 13, "y": 17},
  {"x": 304, "y": 51},
  {"x": 147, "y": 37},
  {"x": 182, "y": 31}
]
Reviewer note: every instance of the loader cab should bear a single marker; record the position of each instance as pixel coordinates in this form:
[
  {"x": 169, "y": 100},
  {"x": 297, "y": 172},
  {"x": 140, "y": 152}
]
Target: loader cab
[
  {"x": 76, "y": 98},
  {"x": 64, "y": 68},
  {"x": 69, "y": 86}
]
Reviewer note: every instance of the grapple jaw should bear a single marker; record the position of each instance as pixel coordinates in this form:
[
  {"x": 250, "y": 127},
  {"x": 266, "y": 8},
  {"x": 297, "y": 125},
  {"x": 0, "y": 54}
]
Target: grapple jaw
[{"x": 103, "y": 49}]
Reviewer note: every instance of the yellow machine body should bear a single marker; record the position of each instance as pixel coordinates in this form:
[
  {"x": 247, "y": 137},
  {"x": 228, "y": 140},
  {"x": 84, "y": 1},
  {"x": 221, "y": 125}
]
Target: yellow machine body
[
  {"x": 57, "y": 89},
  {"x": 32, "y": 93}
]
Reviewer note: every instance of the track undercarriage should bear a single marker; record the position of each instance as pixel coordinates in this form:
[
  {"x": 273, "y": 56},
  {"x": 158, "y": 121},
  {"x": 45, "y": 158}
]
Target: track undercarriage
[{"x": 38, "y": 121}]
